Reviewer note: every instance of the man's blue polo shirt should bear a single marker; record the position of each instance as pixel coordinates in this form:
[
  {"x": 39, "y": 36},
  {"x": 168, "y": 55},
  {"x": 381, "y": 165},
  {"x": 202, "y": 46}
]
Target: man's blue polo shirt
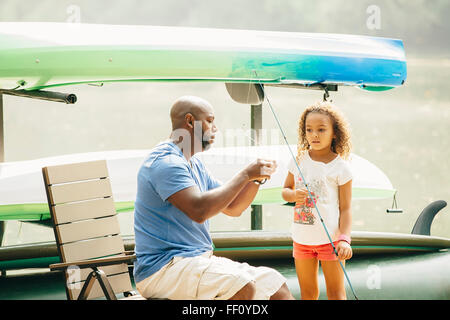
[{"x": 161, "y": 230}]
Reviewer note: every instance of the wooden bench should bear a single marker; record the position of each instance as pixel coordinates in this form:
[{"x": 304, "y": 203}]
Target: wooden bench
[{"x": 87, "y": 232}]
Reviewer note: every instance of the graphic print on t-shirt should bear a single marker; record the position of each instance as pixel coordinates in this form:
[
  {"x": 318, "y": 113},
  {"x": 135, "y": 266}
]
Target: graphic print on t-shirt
[{"x": 304, "y": 213}]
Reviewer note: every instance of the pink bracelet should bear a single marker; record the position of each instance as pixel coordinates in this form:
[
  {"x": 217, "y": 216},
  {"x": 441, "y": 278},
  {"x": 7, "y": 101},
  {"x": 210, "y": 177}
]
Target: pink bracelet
[{"x": 346, "y": 238}]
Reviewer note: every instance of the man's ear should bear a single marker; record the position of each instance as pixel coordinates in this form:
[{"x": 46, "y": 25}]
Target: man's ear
[{"x": 189, "y": 118}]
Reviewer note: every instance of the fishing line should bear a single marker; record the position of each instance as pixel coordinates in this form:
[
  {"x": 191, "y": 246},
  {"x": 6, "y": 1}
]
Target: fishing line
[{"x": 306, "y": 185}]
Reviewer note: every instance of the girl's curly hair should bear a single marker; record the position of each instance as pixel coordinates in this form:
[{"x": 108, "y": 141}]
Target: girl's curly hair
[{"x": 341, "y": 145}]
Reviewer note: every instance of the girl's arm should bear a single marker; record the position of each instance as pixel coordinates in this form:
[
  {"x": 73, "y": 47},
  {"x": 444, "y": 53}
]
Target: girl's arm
[
  {"x": 288, "y": 191},
  {"x": 345, "y": 220},
  {"x": 345, "y": 208},
  {"x": 290, "y": 194}
]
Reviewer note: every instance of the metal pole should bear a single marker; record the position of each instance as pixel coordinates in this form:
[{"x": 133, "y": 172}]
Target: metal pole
[
  {"x": 256, "y": 126},
  {"x": 68, "y": 98},
  {"x": 2, "y": 137},
  {"x": 2, "y": 159}
]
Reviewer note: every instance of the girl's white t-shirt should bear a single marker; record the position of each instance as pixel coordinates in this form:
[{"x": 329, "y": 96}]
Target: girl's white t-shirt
[{"x": 323, "y": 181}]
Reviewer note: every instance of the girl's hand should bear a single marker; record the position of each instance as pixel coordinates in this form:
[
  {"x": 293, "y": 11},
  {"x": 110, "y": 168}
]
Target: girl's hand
[
  {"x": 344, "y": 250},
  {"x": 300, "y": 196}
]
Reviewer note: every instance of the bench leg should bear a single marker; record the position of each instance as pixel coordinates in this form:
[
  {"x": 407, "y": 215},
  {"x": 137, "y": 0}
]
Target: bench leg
[{"x": 99, "y": 275}]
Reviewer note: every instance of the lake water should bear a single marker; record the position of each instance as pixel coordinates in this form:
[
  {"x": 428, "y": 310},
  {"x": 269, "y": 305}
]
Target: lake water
[{"x": 405, "y": 132}]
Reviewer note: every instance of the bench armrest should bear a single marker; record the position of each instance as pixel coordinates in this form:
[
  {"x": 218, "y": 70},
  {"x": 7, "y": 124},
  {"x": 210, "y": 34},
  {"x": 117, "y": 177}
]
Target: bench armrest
[{"x": 128, "y": 257}]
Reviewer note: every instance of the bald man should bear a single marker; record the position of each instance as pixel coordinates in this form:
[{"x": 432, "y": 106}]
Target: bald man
[{"x": 175, "y": 198}]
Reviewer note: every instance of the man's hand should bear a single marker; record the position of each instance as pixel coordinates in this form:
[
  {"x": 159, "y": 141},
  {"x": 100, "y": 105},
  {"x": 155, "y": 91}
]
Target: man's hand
[{"x": 260, "y": 169}]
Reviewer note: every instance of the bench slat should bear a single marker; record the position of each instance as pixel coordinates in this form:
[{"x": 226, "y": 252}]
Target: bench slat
[
  {"x": 76, "y": 211},
  {"x": 77, "y": 171},
  {"x": 80, "y": 191},
  {"x": 91, "y": 249},
  {"x": 88, "y": 229}
]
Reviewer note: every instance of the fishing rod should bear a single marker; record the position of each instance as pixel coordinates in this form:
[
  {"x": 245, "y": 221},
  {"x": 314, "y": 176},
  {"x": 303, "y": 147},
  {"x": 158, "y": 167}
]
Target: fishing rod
[{"x": 306, "y": 184}]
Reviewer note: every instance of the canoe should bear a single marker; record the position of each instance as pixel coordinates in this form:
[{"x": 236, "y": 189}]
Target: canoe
[
  {"x": 411, "y": 277},
  {"x": 242, "y": 245},
  {"x": 384, "y": 266},
  {"x": 22, "y": 194},
  {"x": 42, "y": 55}
]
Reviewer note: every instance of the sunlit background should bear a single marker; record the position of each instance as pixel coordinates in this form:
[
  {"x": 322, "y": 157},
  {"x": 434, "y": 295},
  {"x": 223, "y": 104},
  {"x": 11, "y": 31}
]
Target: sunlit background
[{"x": 405, "y": 131}]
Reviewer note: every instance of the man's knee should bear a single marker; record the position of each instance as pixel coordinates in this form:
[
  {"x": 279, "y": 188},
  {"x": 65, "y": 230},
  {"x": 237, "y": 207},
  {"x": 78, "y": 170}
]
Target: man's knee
[
  {"x": 282, "y": 294},
  {"x": 247, "y": 292}
]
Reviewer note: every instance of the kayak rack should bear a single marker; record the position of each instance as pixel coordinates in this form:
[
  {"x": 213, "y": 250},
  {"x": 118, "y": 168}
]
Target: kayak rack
[{"x": 68, "y": 98}]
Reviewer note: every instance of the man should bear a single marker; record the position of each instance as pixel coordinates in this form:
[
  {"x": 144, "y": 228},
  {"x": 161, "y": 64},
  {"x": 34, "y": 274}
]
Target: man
[{"x": 175, "y": 198}]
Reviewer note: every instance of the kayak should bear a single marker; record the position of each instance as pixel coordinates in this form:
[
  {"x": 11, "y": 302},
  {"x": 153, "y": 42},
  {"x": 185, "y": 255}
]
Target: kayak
[
  {"x": 42, "y": 55},
  {"x": 22, "y": 194}
]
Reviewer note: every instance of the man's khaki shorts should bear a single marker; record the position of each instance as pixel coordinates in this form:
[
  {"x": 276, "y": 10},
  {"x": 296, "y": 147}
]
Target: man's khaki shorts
[{"x": 207, "y": 277}]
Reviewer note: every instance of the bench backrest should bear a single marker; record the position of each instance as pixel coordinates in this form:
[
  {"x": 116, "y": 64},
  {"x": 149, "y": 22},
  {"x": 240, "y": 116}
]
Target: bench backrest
[{"x": 85, "y": 223}]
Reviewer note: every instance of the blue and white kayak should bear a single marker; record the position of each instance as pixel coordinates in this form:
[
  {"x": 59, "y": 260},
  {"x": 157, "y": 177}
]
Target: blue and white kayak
[{"x": 41, "y": 55}]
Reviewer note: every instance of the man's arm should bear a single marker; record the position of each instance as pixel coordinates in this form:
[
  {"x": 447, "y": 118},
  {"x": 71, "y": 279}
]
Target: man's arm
[
  {"x": 200, "y": 206},
  {"x": 242, "y": 200}
]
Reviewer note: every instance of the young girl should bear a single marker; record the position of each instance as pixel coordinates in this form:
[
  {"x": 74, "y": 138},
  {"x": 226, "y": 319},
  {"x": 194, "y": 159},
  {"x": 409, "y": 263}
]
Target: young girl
[{"x": 323, "y": 146}]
